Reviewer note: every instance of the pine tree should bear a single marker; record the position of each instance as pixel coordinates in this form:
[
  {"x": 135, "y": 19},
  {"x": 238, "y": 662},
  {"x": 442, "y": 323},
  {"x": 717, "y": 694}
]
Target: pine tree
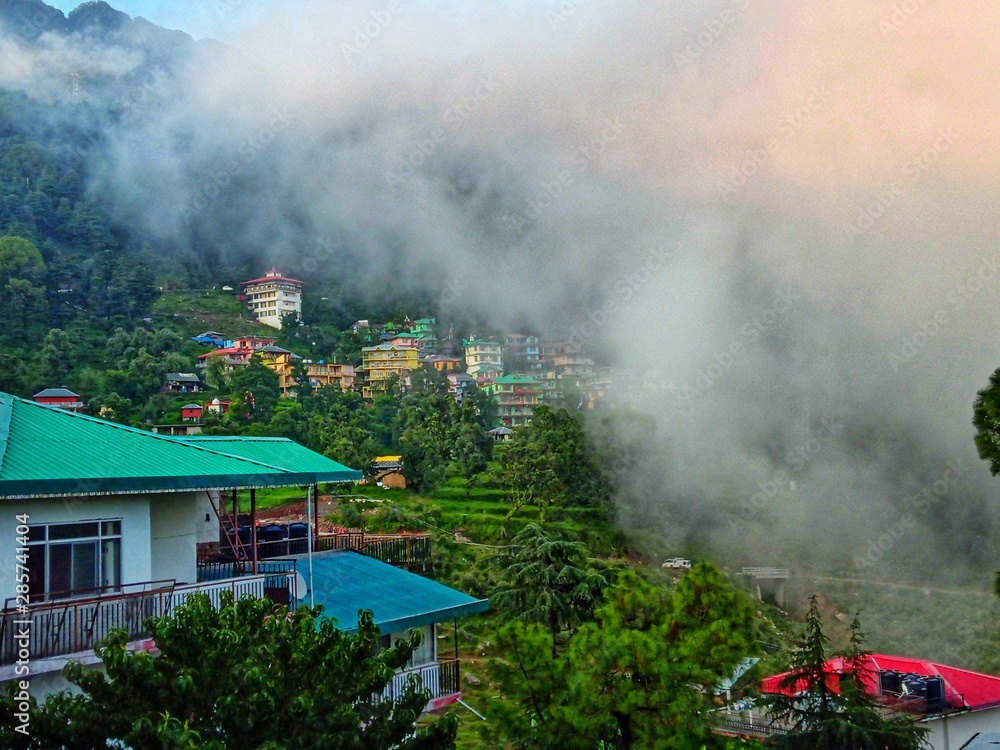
[{"x": 824, "y": 710}]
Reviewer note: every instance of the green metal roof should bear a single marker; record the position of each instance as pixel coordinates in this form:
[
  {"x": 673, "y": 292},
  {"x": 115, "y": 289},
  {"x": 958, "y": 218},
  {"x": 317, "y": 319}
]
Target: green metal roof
[
  {"x": 522, "y": 379},
  {"x": 345, "y": 582},
  {"x": 281, "y": 452},
  {"x": 46, "y": 451}
]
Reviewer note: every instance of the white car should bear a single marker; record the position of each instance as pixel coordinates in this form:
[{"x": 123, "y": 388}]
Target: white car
[{"x": 677, "y": 562}]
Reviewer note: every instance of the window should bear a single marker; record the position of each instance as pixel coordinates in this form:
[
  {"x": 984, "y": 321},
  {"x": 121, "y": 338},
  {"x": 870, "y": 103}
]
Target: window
[{"x": 74, "y": 559}]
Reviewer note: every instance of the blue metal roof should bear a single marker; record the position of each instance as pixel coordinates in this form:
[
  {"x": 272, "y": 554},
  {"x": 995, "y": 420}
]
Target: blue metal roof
[{"x": 345, "y": 582}]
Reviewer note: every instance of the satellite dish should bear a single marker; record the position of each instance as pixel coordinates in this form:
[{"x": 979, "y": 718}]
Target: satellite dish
[{"x": 301, "y": 589}]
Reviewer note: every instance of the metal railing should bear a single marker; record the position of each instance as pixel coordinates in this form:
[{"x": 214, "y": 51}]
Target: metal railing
[
  {"x": 731, "y": 724},
  {"x": 76, "y": 625},
  {"x": 440, "y": 679}
]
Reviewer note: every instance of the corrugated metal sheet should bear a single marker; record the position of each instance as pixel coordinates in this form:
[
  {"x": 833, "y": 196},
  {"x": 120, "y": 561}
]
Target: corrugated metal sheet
[
  {"x": 47, "y": 451},
  {"x": 281, "y": 452},
  {"x": 345, "y": 582}
]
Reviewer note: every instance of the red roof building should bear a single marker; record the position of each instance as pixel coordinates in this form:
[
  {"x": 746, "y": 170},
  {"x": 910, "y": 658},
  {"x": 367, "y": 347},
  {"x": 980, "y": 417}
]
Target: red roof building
[
  {"x": 60, "y": 398},
  {"x": 970, "y": 701}
]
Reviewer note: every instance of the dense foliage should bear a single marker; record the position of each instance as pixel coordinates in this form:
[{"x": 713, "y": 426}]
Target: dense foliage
[
  {"x": 824, "y": 716},
  {"x": 249, "y": 675},
  {"x": 629, "y": 677}
]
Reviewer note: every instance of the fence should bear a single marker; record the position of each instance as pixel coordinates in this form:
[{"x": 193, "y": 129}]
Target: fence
[
  {"x": 69, "y": 627},
  {"x": 439, "y": 679}
]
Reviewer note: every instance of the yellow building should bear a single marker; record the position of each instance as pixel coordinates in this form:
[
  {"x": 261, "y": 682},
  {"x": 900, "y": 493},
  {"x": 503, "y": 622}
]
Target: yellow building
[
  {"x": 319, "y": 373},
  {"x": 383, "y": 362}
]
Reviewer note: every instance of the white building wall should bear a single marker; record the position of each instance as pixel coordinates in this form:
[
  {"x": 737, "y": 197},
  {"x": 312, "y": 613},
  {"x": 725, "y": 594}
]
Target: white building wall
[
  {"x": 951, "y": 732},
  {"x": 177, "y": 520},
  {"x": 133, "y": 510}
]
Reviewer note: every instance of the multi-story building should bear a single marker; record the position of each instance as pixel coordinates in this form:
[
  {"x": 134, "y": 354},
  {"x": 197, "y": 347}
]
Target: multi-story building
[
  {"x": 441, "y": 362},
  {"x": 517, "y": 397},
  {"x": 273, "y": 296},
  {"x": 423, "y": 330},
  {"x": 523, "y": 351},
  {"x": 459, "y": 383},
  {"x": 382, "y": 362},
  {"x": 323, "y": 373},
  {"x": 483, "y": 359}
]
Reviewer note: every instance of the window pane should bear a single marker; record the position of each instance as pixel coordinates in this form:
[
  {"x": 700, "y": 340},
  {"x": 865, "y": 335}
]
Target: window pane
[
  {"x": 36, "y": 533},
  {"x": 84, "y": 567},
  {"x": 111, "y": 528},
  {"x": 60, "y": 569},
  {"x": 72, "y": 530},
  {"x": 36, "y": 573},
  {"x": 110, "y": 565}
]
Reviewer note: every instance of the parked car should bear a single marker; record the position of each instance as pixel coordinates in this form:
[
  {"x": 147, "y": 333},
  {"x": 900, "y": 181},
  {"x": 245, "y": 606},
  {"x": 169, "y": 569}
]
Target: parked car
[{"x": 677, "y": 562}]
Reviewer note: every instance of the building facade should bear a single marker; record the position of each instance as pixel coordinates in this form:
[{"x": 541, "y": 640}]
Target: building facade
[
  {"x": 517, "y": 397},
  {"x": 273, "y": 296},
  {"x": 483, "y": 359},
  {"x": 382, "y": 362}
]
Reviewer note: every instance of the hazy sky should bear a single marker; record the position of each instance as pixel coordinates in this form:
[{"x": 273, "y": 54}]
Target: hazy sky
[
  {"x": 795, "y": 202},
  {"x": 205, "y": 18}
]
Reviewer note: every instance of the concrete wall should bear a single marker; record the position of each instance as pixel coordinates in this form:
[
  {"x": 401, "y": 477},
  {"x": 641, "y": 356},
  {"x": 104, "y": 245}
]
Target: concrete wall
[
  {"x": 951, "y": 732},
  {"x": 177, "y": 523},
  {"x": 133, "y": 510}
]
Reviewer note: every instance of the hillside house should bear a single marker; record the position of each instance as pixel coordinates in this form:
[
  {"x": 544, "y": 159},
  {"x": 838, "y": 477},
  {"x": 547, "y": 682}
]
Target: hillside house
[
  {"x": 483, "y": 359},
  {"x": 182, "y": 382},
  {"x": 517, "y": 396},
  {"x": 60, "y": 398},
  {"x": 273, "y": 296},
  {"x": 953, "y": 704},
  {"x": 382, "y": 362},
  {"x": 191, "y": 412},
  {"x": 111, "y": 518}
]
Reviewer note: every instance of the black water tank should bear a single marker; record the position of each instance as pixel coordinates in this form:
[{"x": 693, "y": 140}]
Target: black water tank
[
  {"x": 935, "y": 692},
  {"x": 272, "y": 533},
  {"x": 915, "y": 686},
  {"x": 888, "y": 681},
  {"x": 298, "y": 534}
]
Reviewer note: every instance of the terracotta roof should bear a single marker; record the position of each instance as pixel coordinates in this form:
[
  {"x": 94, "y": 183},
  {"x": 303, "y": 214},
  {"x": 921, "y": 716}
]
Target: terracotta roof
[{"x": 272, "y": 275}]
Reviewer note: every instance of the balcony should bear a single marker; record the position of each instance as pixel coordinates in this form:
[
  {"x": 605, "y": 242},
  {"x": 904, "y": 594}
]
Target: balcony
[
  {"x": 441, "y": 680},
  {"x": 71, "y": 626}
]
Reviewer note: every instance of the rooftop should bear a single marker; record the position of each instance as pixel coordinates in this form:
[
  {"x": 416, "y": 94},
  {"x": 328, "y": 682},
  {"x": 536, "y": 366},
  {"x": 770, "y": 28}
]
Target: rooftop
[
  {"x": 46, "y": 452},
  {"x": 55, "y": 393},
  {"x": 963, "y": 689},
  {"x": 399, "y": 600},
  {"x": 272, "y": 275}
]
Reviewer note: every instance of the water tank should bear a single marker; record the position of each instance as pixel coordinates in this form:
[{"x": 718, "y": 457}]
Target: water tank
[
  {"x": 888, "y": 681},
  {"x": 272, "y": 533},
  {"x": 298, "y": 535},
  {"x": 935, "y": 692},
  {"x": 914, "y": 686}
]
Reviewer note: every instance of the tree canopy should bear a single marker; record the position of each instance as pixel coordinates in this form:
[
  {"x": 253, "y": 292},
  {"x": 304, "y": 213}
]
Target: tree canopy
[
  {"x": 629, "y": 678},
  {"x": 823, "y": 717},
  {"x": 250, "y": 675}
]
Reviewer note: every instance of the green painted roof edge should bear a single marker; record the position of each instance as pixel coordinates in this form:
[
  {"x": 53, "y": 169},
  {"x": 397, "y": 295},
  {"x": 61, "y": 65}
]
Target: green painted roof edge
[
  {"x": 270, "y": 476},
  {"x": 6, "y": 412}
]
